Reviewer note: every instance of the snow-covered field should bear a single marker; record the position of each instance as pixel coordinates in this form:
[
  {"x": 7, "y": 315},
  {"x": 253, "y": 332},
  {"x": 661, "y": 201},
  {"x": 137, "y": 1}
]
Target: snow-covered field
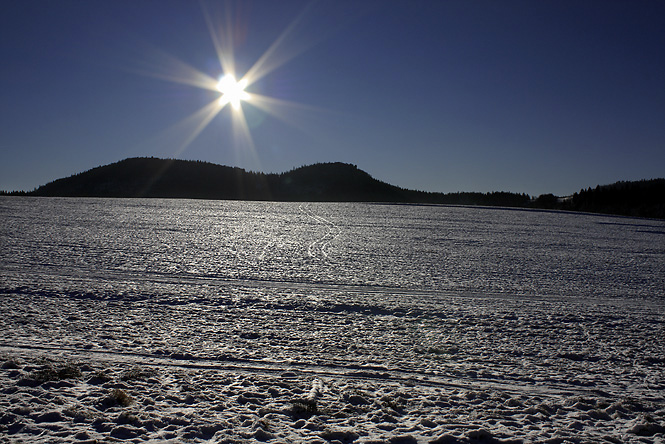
[{"x": 190, "y": 321}]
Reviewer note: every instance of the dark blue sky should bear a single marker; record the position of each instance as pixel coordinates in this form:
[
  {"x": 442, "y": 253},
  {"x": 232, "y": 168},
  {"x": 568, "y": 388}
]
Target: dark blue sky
[{"x": 460, "y": 95}]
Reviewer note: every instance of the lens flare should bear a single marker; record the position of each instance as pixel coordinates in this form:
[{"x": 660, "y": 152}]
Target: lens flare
[
  {"x": 222, "y": 25},
  {"x": 232, "y": 91}
]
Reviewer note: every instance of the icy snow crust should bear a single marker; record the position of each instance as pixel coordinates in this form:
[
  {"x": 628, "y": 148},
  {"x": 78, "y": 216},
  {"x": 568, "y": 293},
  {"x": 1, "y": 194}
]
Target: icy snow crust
[{"x": 238, "y": 322}]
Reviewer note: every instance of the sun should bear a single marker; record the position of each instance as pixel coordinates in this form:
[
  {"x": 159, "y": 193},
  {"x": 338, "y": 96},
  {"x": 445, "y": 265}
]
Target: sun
[
  {"x": 221, "y": 26},
  {"x": 232, "y": 91}
]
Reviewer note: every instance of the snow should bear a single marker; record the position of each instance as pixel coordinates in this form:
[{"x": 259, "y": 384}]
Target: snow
[{"x": 256, "y": 347}]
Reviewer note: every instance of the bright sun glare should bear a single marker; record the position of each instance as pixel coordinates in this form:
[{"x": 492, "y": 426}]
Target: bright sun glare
[{"x": 232, "y": 91}]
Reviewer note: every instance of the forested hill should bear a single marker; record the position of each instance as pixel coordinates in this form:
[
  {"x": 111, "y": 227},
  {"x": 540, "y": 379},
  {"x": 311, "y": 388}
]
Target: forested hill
[
  {"x": 327, "y": 182},
  {"x": 151, "y": 177},
  {"x": 323, "y": 182}
]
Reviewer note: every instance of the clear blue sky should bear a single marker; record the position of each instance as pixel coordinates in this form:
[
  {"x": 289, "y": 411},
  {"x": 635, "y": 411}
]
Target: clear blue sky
[{"x": 437, "y": 95}]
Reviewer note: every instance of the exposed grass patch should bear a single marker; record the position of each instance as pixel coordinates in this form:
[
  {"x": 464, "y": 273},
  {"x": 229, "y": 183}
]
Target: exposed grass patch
[
  {"x": 138, "y": 374},
  {"x": 117, "y": 397},
  {"x": 304, "y": 407},
  {"x": 80, "y": 413},
  {"x": 49, "y": 373}
]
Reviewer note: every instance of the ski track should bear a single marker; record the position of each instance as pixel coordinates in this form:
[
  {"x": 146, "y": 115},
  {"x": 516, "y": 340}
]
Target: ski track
[
  {"x": 322, "y": 243},
  {"x": 319, "y": 247},
  {"x": 351, "y": 370}
]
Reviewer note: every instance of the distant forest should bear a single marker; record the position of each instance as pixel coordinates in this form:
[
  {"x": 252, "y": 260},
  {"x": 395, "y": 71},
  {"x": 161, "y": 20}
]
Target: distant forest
[{"x": 326, "y": 182}]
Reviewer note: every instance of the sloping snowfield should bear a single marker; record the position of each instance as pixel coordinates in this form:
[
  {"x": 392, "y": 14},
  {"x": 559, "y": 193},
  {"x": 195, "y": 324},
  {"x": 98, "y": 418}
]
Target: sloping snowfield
[{"x": 185, "y": 321}]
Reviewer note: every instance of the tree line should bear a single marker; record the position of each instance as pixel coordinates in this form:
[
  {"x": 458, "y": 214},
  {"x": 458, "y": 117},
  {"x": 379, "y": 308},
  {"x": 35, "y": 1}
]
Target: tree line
[{"x": 326, "y": 182}]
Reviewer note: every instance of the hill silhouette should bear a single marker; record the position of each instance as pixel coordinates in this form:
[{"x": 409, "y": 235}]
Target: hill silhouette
[
  {"x": 326, "y": 182},
  {"x": 322, "y": 182},
  {"x": 152, "y": 177}
]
